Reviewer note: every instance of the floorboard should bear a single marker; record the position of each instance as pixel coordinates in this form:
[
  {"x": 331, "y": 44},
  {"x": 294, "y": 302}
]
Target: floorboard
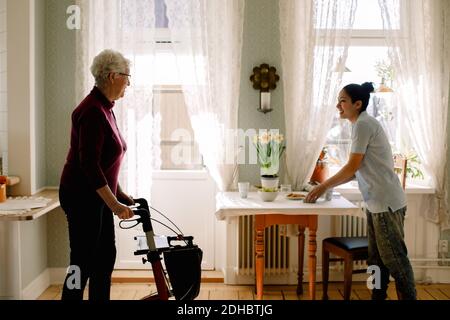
[{"x": 221, "y": 291}]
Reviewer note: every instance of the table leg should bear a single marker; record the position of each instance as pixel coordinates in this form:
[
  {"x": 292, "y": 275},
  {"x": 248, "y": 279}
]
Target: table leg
[
  {"x": 259, "y": 252},
  {"x": 301, "y": 253},
  {"x": 312, "y": 247}
]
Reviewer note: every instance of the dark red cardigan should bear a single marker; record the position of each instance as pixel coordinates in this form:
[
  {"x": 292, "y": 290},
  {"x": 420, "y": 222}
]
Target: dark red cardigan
[{"x": 96, "y": 146}]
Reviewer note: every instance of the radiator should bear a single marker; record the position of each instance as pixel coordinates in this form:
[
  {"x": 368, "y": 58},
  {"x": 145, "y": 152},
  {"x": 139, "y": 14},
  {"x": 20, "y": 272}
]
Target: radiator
[
  {"x": 349, "y": 226},
  {"x": 276, "y": 248}
]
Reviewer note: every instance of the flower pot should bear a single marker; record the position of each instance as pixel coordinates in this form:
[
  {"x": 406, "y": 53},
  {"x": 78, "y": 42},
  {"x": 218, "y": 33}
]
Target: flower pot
[{"x": 269, "y": 182}]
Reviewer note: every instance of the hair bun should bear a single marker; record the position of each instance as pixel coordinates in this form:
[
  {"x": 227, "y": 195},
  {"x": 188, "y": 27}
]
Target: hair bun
[{"x": 368, "y": 87}]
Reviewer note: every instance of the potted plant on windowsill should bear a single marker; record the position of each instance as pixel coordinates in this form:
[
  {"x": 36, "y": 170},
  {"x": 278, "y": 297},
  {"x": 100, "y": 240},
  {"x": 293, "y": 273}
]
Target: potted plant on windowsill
[
  {"x": 413, "y": 165},
  {"x": 385, "y": 71},
  {"x": 269, "y": 147}
]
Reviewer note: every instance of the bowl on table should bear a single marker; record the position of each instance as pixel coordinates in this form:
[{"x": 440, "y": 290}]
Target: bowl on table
[{"x": 268, "y": 195}]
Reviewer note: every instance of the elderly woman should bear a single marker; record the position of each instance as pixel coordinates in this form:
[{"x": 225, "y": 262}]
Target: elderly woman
[{"x": 89, "y": 190}]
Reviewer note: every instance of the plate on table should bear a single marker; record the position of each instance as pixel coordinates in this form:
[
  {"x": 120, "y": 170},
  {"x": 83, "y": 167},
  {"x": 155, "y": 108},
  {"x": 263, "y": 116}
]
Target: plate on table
[{"x": 296, "y": 196}]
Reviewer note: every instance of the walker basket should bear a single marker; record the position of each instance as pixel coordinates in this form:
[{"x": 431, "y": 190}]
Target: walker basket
[{"x": 183, "y": 265}]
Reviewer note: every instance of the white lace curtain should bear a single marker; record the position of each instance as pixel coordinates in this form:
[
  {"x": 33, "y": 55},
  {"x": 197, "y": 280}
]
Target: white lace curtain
[
  {"x": 420, "y": 53},
  {"x": 207, "y": 41},
  {"x": 128, "y": 27},
  {"x": 314, "y": 40}
]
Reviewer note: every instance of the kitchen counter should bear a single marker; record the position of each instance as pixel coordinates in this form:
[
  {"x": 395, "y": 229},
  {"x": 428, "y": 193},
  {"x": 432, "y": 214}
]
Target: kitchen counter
[
  {"x": 36, "y": 213},
  {"x": 22, "y": 236}
]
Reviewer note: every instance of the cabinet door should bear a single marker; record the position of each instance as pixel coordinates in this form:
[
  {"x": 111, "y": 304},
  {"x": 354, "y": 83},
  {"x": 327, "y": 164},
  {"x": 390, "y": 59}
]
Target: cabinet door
[{"x": 188, "y": 199}]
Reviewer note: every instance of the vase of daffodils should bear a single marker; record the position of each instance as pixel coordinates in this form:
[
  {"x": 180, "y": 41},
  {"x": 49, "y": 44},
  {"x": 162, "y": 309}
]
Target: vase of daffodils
[{"x": 269, "y": 147}]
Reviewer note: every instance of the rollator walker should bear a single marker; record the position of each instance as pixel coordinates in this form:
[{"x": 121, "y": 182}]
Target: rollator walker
[{"x": 182, "y": 261}]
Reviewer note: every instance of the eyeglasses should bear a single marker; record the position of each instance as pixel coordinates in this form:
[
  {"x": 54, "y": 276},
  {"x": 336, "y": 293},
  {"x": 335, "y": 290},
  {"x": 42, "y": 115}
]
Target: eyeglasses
[{"x": 127, "y": 75}]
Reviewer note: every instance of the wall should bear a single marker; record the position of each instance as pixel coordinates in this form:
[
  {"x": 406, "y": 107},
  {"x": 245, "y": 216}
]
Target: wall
[
  {"x": 3, "y": 88},
  {"x": 26, "y": 99},
  {"x": 21, "y": 94},
  {"x": 60, "y": 86},
  {"x": 261, "y": 45},
  {"x": 25, "y": 41},
  {"x": 39, "y": 96},
  {"x": 34, "y": 233},
  {"x": 446, "y": 234},
  {"x": 60, "y": 101}
]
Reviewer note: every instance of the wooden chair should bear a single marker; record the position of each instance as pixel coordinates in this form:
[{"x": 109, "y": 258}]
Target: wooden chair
[{"x": 350, "y": 249}]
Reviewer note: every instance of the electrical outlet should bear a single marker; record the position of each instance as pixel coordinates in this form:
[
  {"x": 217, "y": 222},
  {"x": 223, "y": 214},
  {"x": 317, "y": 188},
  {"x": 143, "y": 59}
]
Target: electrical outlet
[{"x": 443, "y": 246}]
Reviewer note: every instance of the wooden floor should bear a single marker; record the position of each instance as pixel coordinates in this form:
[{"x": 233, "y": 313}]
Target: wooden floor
[{"x": 220, "y": 291}]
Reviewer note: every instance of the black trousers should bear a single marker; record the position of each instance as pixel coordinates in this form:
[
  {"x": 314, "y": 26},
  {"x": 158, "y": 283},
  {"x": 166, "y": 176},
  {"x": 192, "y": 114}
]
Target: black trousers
[{"x": 92, "y": 245}]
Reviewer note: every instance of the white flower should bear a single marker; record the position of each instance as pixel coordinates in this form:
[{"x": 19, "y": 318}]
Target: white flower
[
  {"x": 278, "y": 138},
  {"x": 264, "y": 138},
  {"x": 269, "y": 147}
]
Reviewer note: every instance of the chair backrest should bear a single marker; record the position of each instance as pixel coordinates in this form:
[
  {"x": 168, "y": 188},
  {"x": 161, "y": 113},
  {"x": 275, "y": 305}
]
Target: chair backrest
[{"x": 400, "y": 163}]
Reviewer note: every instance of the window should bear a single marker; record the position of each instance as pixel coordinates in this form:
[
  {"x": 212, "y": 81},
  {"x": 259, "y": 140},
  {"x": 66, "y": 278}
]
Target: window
[
  {"x": 161, "y": 20},
  {"x": 367, "y": 60},
  {"x": 143, "y": 21},
  {"x": 365, "y": 63},
  {"x": 367, "y": 17},
  {"x": 3, "y": 92},
  {"x": 156, "y": 65},
  {"x": 179, "y": 151}
]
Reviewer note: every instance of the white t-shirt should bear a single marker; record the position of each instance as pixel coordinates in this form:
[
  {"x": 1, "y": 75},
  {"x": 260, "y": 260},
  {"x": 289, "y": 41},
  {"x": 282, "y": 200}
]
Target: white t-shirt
[{"x": 379, "y": 185}]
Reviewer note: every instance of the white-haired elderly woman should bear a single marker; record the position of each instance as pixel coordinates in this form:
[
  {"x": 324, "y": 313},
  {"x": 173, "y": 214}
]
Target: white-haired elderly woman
[{"x": 89, "y": 190}]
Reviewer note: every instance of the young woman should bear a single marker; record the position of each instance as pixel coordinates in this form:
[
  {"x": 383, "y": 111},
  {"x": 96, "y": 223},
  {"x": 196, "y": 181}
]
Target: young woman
[{"x": 371, "y": 162}]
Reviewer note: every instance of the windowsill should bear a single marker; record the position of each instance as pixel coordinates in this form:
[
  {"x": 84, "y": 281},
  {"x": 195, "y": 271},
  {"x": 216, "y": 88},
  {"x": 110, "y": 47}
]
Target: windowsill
[
  {"x": 351, "y": 192},
  {"x": 200, "y": 174}
]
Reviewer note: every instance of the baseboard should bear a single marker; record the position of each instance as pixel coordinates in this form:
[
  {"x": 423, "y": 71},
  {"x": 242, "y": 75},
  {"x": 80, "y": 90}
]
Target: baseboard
[
  {"x": 37, "y": 286},
  {"x": 57, "y": 275},
  {"x": 430, "y": 274}
]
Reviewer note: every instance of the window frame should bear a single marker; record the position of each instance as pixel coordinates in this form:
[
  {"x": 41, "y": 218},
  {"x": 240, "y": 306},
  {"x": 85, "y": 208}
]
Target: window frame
[
  {"x": 158, "y": 40},
  {"x": 373, "y": 38}
]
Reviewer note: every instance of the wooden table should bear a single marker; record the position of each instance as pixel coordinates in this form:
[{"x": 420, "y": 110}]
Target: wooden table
[{"x": 282, "y": 211}]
